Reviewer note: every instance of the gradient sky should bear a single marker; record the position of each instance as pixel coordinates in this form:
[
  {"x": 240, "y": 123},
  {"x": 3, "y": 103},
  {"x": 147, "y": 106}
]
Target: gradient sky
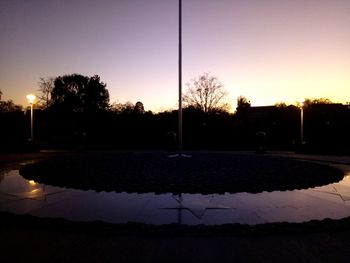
[{"x": 266, "y": 50}]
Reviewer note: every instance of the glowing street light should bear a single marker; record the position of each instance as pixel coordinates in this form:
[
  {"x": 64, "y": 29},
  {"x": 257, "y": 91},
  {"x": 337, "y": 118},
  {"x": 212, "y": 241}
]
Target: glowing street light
[
  {"x": 301, "y": 106},
  {"x": 31, "y": 98}
]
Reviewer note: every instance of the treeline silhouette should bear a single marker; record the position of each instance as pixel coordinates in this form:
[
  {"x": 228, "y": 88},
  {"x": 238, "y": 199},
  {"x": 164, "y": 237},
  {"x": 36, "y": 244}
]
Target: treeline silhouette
[
  {"x": 78, "y": 116},
  {"x": 326, "y": 129}
]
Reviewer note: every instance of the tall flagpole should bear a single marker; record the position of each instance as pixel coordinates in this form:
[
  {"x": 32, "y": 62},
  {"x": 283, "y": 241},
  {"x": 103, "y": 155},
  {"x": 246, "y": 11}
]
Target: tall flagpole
[
  {"x": 180, "y": 96},
  {"x": 180, "y": 78}
]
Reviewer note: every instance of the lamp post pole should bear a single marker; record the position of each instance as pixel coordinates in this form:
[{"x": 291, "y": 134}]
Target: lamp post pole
[
  {"x": 301, "y": 105},
  {"x": 180, "y": 78},
  {"x": 302, "y": 125},
  {"x": 31, "y": 123},
  {"x": 31, "y": 99}
]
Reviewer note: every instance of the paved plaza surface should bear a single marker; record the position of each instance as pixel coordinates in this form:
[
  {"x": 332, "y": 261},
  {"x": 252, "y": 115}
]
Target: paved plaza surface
[{"x": 22, "y": 197}]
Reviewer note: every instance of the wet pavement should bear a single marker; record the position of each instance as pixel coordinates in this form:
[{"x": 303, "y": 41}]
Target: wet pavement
[{"x": 21, "y": 196}]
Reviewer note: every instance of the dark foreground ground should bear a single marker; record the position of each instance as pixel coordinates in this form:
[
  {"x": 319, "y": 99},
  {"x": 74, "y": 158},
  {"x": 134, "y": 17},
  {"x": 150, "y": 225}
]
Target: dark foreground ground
[{"x": 28, "y": 239}]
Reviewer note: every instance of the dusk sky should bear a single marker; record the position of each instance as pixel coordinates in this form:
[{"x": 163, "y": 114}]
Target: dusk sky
[{"x": 266, "y": 50}]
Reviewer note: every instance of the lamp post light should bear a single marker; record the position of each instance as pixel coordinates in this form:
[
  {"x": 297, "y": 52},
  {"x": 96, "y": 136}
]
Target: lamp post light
[
  {"x": 31, "y": 98},
  {"x": 301, "y": 106}
]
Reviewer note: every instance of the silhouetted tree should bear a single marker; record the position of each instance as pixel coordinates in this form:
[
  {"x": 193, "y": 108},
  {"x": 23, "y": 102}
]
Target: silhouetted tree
[
  {"x": 243, "y": 104},
  {"x": 9, "y": 106},
  {"x": 281, "y": 105},
  {"x": 122, "y": 108},
  {"x": 128, "y": 108},
  {"x": 309, "y": 102},
  {"x": 79, "y": 93},
  {"x": 139, "y": 109},
  {"x": 206, "y": 93},
  {"x": 322, "y": 101},
  {"x": 46, "y": 86}
]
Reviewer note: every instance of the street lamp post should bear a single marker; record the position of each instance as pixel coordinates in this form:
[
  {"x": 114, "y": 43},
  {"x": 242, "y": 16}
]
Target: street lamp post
[
  {"x": 301, "y": 105},
  {"x": 31, "y": 98}
]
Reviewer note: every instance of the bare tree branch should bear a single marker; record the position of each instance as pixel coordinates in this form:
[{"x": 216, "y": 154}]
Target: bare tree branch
[
  {"x": 206, "y": 93},
  {"x": 45, "y": 88}
]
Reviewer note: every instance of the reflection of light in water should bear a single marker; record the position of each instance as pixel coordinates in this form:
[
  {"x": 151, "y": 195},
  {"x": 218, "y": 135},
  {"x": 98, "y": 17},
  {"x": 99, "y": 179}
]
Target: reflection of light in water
[
  {"x": 34, "y": 191},
  {"x": 31, "y": 182},
  {"x": 346, "y": 180}
]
